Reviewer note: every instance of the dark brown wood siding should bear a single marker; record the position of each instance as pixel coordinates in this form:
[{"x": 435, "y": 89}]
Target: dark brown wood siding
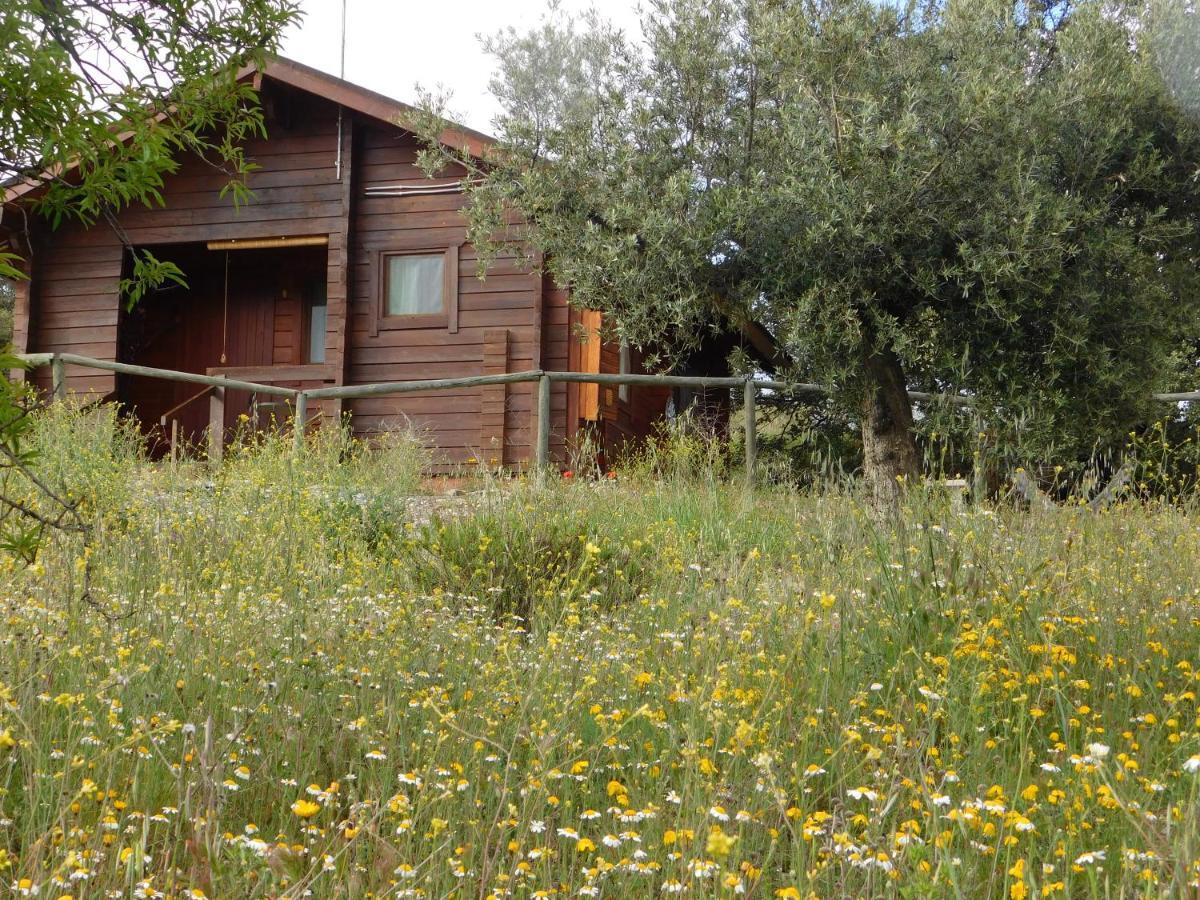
[
  {"x": 557, "y": 356},
  {"x": 75, "y": 303},
  {"x": 507, "y": 299}
]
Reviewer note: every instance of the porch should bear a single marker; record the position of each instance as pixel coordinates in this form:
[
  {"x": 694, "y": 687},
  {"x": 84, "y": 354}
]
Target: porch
[{"x": 251, "y": 311}]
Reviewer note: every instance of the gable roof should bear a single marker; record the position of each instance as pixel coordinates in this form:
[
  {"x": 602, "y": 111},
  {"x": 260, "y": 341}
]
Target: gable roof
[
  {"x": 362, "y": 100},
  {"x": 336, "y": 90}
]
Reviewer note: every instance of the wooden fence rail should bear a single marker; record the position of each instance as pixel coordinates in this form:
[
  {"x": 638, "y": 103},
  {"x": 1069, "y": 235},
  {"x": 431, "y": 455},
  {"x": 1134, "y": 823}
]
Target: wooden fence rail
[{"x": 750, "y": 390}]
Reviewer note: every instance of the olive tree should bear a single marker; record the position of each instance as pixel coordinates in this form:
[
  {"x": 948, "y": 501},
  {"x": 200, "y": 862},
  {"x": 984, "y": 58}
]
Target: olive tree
[{"x": 973, "y": 196}]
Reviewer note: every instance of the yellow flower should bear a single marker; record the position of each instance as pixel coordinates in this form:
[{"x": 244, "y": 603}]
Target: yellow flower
[
  {"x": 719, "y": 843},
  {"x": 585, "y": 845},
  {"x": 1017, "y": 890},
  {"x": 306, "y": 809}
]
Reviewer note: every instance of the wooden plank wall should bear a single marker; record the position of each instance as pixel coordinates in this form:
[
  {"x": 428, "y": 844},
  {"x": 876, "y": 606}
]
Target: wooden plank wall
[
  {"x": 631, "y": 420},
  {"x": 508, "y": 299},
  {"x": 75, "y": 307},
  {"x": 559, "y": 349},
  {"x": 494, "y": 403},
  {"x": 74, "y": 304}
]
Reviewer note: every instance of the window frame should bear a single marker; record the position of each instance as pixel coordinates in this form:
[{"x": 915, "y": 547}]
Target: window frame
[{"x": 447, "y": 318}]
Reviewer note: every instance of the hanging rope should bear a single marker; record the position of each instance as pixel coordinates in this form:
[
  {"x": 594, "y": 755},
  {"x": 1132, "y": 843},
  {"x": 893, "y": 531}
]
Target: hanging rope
[{"x": 225, "y": 312}]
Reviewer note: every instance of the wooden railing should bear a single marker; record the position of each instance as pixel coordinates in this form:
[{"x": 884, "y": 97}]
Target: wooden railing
[
  {"x": 172, "y": 432},
  {"x": 218, "y": 384}
]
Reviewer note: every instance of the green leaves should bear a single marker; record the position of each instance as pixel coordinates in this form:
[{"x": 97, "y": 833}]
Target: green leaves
[
  {"x": 97, "y": 100},
  {"x": 959, "y": 182},
  {"x": 149, "y": 273}
]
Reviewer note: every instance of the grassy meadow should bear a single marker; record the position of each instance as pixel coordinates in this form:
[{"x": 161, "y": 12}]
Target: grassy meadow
[{"x": 286, "y": 678}]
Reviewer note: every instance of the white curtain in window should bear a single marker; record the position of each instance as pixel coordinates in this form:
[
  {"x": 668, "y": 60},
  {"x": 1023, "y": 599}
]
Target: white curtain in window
[
  {"x": 316, "y": 333},
  {"x": 416, "y": 285}
]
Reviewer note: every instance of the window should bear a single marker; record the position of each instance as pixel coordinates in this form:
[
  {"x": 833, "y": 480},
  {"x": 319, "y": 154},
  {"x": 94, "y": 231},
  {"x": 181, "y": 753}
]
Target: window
[
  {"x": 315, "y": 310},
  {"x": 417, "y": 289},
  {"x": 416, "y": 285}
]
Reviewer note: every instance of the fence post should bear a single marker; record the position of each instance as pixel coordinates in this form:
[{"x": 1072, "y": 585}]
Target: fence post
[
  {"x": 58, "y": 377},
  {"x": 299, "y": 420},
  {"x": 749, "y": 394},
  {"x": 542, "y": 454},
  {"x": 216, "y": 424}
]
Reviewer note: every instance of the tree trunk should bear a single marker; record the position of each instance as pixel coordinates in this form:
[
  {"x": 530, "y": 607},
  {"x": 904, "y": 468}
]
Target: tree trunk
[{"x": 889, "y": 448}]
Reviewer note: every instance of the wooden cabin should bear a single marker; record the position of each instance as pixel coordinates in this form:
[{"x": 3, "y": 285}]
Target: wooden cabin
[{"x": 349, "y": 266}]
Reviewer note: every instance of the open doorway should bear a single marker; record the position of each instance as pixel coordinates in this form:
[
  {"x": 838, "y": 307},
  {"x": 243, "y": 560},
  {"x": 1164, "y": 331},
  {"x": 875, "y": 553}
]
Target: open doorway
[{"x": 241, "y": 308}]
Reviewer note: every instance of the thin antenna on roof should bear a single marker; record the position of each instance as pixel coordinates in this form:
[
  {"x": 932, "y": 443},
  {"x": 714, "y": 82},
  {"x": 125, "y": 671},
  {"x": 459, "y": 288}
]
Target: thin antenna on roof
[
  {"x": 342, "y": 70},
  {"x": 337, "y": 165}
]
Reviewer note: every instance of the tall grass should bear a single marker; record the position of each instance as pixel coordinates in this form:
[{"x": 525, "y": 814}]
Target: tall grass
[{"x": 289, "y": 684}]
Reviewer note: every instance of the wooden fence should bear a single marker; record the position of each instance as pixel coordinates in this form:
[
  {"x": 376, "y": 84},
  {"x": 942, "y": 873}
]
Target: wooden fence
[{"x": 219, "y": 384}]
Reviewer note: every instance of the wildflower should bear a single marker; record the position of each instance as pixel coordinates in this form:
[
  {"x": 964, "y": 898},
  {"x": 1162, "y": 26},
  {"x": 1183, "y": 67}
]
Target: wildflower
[
  {"x": 305, "y": 809},
  {"x": 1018, "y": 890},
  {"x": 1098, "y": 751},
  {"x": 719, "y": 843},
  {"x": 1090, "y": 858},
  {"x": 1192, "y": 765}
]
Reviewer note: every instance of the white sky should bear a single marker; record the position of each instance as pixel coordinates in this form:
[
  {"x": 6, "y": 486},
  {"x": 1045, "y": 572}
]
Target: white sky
[{"x": 391, "y": 45}]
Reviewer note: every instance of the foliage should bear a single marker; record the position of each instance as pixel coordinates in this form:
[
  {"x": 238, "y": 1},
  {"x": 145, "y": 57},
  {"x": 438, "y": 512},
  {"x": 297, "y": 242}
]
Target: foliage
[
  {"x": 148, "y": 273},
  {"x": 8, "y": 296},
  {"x": 772, "y": 697},
  {"x": 97, "y": 99},
  {"x": 995, "y": 198}
]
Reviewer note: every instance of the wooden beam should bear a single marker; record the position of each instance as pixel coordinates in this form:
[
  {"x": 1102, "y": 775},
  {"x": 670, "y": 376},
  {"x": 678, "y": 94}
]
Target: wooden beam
[
  {"x": 216, "y": 425},
  {"x": 542, "y": 456},
  {"x": 749, "y": 393},
  {"x": 87, "y": 362},
  {"x": 300, "y": 421},
  {"x": 58, "y": 377},
  {"x": 308, "y": 240},
  {"x": 408, "y": 387}
]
